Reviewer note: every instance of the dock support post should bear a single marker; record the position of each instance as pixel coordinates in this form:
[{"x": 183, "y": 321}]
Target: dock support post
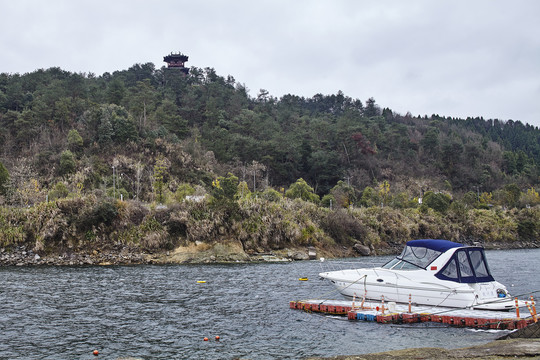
[{"x": 530, "y": 311}]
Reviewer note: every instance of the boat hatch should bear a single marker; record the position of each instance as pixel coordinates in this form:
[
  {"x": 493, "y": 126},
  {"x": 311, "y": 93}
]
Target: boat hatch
[
  {"x": 467, "y": 265},
  {"x": 419, "y": 254}
]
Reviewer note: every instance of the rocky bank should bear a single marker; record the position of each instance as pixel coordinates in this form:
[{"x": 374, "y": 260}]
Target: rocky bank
[
  {"x": 495, "y": 350},
  {"x": 199, "y": 253}
]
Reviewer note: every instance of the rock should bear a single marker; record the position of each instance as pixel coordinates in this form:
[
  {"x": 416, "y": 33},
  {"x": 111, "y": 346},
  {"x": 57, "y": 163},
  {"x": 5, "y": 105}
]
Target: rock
[
  {"x": 312, "y": 253},
  {"x": 362, "y": 249},
  {"x": 299, "y": 255},
  {"x": 37, "y": 257},
  {"x": 272, "y": 258}
]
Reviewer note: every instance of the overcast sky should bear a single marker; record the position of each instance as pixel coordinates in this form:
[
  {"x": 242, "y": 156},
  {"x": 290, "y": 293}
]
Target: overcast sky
[{"x": 454, "y": 58}]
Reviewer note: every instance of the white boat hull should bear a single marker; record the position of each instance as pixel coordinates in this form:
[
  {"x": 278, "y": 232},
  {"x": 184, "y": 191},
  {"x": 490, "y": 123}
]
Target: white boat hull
[{"x": 398, "y": 286}]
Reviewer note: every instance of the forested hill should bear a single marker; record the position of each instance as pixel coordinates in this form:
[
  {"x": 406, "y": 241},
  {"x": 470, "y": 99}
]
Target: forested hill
[{"x": 64, "y": 132}]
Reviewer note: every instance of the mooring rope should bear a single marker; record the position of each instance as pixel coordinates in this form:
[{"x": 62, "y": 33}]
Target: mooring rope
[{"x": 323, "y": 297}]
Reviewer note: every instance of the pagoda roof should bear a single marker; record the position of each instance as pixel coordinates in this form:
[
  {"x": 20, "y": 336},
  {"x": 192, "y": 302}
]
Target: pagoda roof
[{"x": 175, "y": 57}]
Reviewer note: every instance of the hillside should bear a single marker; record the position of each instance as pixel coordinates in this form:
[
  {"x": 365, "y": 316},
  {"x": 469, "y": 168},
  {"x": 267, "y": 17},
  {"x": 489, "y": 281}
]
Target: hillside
[{"x": 76, "y": 147}]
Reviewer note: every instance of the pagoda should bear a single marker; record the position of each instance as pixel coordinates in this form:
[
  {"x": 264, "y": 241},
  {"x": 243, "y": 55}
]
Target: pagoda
[{"x": 176, "y": 61}]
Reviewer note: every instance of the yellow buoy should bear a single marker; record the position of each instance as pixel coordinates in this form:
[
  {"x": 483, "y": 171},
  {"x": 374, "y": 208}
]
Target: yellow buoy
[
  {"x": 303, "y": 279},
  {"x": 201, "y": 281}
]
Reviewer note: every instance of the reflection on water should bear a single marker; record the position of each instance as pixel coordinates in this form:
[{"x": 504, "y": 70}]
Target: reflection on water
[{"x": 154, "y": 312}]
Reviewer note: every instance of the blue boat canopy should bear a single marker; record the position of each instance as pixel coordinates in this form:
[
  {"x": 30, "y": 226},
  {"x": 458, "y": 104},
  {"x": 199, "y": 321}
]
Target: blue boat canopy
[
  {"x": 420, "y": 253},
  {"x": 467, "y": 264},
  {"x": 434, "y": 244}
]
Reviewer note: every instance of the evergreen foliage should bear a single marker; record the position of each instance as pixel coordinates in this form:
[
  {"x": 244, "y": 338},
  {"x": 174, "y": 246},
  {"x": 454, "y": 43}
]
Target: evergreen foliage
[
  {"x": 75, "y": 141},
  {"x": 321, "y": 139},
  {"x": 170, "y": 135},
  {"x": 67, "y": 163},
  {"x": 437, "y": 201},
  {"x": 301, "y": 190}
]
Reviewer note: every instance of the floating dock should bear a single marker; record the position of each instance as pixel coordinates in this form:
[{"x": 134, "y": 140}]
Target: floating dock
[{"x": 391, "y": 313}]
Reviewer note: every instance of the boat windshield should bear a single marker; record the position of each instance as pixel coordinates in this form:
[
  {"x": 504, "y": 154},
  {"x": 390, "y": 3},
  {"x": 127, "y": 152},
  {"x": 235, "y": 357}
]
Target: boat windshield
[{"x": 413, "y": 257}]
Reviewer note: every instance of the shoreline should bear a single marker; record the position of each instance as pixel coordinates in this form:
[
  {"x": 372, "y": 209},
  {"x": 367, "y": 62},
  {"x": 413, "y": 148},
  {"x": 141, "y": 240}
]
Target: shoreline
[
  {"x": 494, "y": 350},
  {"x": 200, "y": 253}
]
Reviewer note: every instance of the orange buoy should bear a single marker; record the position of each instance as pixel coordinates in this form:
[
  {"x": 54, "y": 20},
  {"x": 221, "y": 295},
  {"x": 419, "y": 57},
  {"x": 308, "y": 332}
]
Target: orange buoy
[
  {"x": 217, "y": 337},
  {"x": 95, "y": 352},
  {"x": 205, "y": 339}
]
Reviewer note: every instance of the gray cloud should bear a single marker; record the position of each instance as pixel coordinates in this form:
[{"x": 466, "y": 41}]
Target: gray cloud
[{"x": 453, "y": 58}]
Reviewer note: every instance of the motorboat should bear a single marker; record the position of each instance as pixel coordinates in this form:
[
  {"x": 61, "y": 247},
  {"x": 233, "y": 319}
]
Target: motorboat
[{"x": 428, "y": 272}]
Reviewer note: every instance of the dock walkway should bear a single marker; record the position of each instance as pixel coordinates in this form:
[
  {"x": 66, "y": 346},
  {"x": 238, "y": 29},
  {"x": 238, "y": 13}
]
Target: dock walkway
[{"x": 391, "y": 313}]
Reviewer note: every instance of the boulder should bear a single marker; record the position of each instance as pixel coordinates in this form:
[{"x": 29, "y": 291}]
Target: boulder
[
  {"x": 362, "y": 249},
  {"x": 298, "y": 255}
]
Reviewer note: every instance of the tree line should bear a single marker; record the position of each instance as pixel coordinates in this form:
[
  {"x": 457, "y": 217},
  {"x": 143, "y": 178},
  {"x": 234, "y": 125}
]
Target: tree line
[{"x": 149, "y": 134}]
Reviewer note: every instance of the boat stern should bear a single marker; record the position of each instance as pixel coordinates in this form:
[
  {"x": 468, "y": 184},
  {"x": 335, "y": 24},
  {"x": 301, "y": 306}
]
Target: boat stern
[{"x": 492, "y": 296}]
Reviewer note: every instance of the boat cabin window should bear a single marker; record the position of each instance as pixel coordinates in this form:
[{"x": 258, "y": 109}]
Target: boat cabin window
[
  {"x": 464, "y": 265},
  {"x": 450, "y": 270},
  {"x": 412, "y": 258},
  {"x": 467, "y": 265},
  {"x": 478, "y": 263}
]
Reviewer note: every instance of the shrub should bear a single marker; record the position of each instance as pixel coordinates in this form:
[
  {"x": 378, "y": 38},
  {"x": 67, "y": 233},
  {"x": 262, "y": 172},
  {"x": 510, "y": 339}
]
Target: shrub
[
  {"x": 103, "y": 212},
  {"x": 328, "y": 201},
  {"x": 60, "y": 191},
  {"x": 343, "y": 227},
  {"x": 437, "y": 201},
  {"x": 182, "y": 191},
  {"x": 301, "y": 190},
  {"x": 271, "y": 195},
  {"x": 527, "y": 230},
  {"x": 75, "y": 141},
  {"x": 369, "y": 197},
  {"x": 225, "y": 188},
  {"x": 4, "y": 179},
  {"x": 67, "y": 163}
]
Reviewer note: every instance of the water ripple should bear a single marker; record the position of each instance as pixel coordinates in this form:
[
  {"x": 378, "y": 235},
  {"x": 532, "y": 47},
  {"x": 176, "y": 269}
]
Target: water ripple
[{"x": 162, "y": 312}]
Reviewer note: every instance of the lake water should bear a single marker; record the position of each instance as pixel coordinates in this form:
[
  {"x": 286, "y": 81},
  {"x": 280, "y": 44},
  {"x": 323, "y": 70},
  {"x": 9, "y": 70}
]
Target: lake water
[{"x": 162, "y": 312}]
